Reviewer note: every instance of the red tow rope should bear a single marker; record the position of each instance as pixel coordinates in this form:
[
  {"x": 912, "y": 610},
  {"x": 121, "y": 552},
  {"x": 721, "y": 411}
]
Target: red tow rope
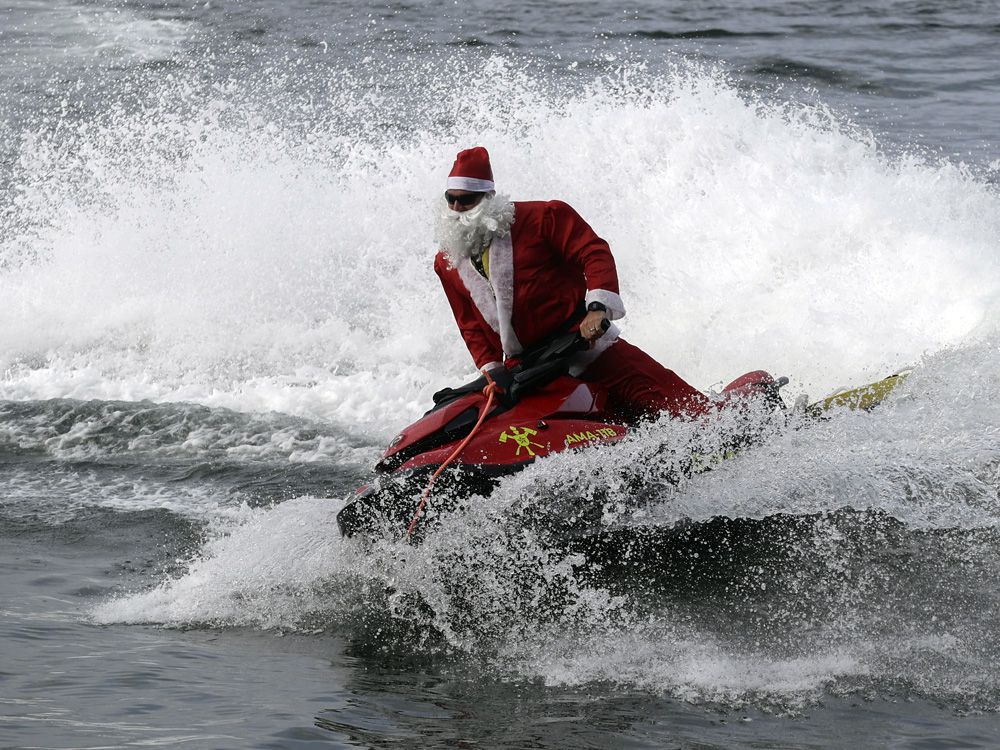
[{"x": 489, "y": 391}]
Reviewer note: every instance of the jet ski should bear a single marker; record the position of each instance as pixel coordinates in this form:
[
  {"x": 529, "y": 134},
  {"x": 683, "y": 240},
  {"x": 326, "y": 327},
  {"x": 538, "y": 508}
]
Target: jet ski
[{"x": 482, "y": 431}]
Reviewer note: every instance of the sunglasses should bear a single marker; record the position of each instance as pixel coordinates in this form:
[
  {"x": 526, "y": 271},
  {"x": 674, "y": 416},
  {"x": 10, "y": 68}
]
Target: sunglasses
[{"x": 463, "y": 200}]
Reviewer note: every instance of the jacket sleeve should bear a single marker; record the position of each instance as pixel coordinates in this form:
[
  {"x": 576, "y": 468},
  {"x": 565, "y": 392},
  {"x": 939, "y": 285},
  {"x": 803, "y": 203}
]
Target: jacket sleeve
[
  {"x": 567, "y": 232},
  {"x": 484, "y": 344}
]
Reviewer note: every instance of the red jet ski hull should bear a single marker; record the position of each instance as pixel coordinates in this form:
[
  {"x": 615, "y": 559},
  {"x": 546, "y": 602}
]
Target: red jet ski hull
[{"x": 563, "y": 414}]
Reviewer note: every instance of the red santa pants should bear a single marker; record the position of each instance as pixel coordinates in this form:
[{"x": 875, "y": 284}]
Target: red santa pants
[{"x": 639, "y": 386}]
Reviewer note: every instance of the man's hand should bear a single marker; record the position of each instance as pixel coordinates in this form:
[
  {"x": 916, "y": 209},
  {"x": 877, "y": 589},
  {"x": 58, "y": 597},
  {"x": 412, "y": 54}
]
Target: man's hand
[{"x": 590, "y": 326}]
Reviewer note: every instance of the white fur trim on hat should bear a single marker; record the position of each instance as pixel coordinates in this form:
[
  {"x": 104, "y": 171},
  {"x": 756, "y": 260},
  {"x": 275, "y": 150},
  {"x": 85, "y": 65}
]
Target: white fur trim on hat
[{"x": 470, "y": 183}]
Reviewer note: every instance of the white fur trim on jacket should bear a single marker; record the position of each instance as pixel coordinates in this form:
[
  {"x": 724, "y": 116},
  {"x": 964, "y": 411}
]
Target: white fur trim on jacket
[
  {"x": 502, "y": 279},
  {"x": 480, "y": 291},
  {"x": 616, "y": 308},
  {"x": 472, "y": 184}
]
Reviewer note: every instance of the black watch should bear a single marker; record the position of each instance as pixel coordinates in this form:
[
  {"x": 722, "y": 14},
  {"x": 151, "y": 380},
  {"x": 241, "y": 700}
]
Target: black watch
[{"x": 596, "y": 306}]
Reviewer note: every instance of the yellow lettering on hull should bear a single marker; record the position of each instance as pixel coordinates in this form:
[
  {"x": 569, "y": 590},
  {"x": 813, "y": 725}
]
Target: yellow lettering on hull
[{"x": 590, "y": 436}]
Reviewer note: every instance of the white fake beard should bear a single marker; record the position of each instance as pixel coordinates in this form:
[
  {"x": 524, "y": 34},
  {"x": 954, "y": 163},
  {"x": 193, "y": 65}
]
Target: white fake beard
[{"x": 463, "y": 234}]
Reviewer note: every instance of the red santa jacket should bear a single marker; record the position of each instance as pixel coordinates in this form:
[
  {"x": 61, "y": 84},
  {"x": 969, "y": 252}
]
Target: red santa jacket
[{"x": 539, "y": 274}]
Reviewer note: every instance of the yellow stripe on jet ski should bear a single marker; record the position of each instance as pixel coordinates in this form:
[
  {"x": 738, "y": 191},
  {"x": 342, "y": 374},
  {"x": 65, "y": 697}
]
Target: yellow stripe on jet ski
[{"x": 865, "y": 397}]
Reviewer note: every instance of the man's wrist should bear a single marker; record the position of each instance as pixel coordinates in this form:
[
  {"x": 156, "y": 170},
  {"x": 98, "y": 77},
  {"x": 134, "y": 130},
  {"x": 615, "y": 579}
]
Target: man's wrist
[{"x": 597, "y": 307}]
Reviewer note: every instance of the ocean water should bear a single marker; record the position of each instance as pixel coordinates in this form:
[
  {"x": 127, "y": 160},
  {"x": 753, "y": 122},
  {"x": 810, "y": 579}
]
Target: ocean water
[{"x": 217, "y": 305}]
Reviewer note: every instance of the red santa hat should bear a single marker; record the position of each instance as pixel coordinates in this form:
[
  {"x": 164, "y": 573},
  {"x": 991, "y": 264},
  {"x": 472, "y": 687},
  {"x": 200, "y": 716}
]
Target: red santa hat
[{"x": 472, "y": 171}]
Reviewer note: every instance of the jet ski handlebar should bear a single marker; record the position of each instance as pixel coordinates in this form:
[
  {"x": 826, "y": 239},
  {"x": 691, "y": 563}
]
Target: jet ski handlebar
[{"x": 537, "y": 366}]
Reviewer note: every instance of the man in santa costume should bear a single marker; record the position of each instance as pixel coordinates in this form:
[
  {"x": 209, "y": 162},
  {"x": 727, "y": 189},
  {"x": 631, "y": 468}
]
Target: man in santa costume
[{"x": 519, "y": 273}]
